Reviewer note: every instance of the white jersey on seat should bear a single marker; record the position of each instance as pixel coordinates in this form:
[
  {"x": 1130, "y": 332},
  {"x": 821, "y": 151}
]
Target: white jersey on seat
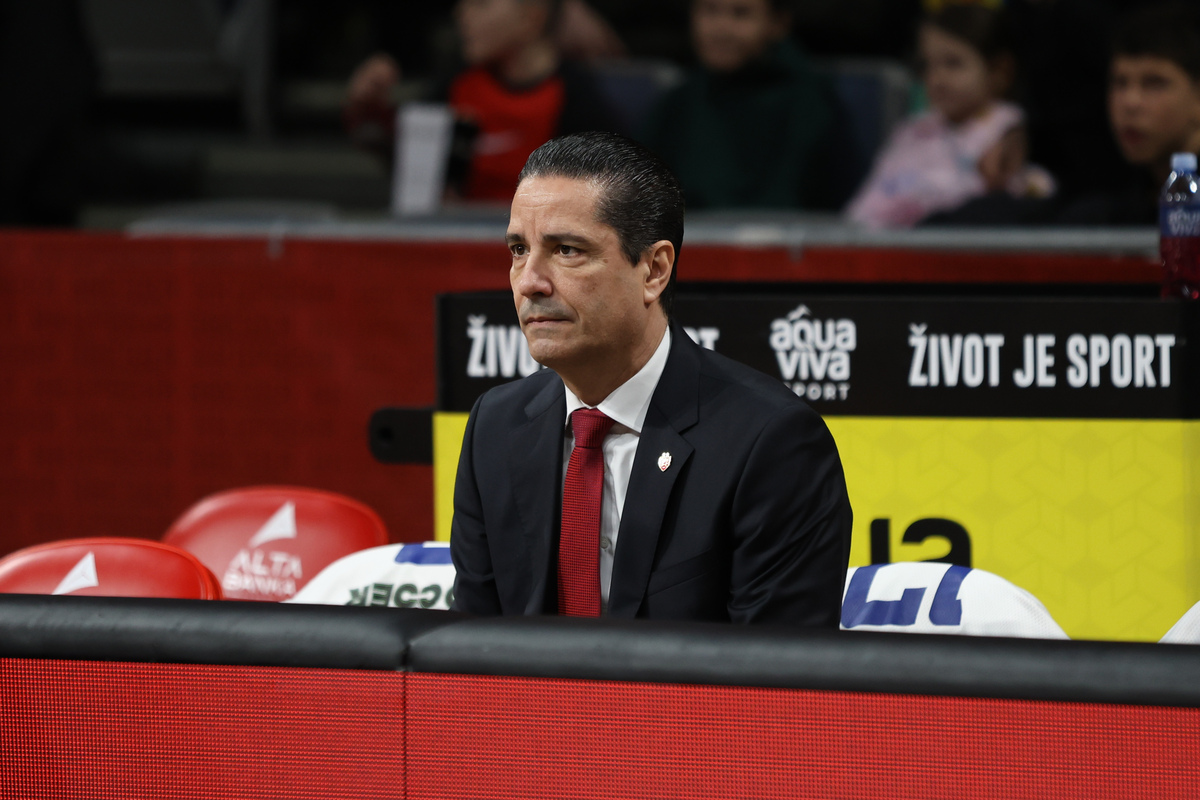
[
  {"x": 931, "y": 597},
  {"x": 396, "y": 575}
]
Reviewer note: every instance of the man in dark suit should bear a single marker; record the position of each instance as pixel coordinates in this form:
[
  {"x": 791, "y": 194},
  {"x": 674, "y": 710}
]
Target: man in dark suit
[{"x": 723, "y": 496}]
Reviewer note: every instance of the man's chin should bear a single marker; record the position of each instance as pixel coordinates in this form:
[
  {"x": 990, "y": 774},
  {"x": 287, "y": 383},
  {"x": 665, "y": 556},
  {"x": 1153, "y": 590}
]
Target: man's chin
[
  {"x": 543, "y": 354},
  {"x": 548, "y": 351}
]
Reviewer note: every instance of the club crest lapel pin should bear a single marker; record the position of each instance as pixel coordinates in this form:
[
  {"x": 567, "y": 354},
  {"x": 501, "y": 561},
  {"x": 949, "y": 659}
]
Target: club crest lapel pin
[{"x": 664, "y": 461}]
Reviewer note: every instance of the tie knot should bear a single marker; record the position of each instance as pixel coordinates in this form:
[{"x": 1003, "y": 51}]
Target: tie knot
[{"x": 590, "y": 426}]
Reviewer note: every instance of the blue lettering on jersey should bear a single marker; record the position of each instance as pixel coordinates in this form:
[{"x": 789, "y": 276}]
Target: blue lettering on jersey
[
  {"x": 857, "y": 610},
  {"x": 947, "y": 608},
  {"x": 420, "y": 554}
]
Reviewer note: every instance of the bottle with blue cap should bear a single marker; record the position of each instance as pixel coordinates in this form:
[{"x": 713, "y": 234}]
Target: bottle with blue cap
[{"x": 1179, "y": 229}]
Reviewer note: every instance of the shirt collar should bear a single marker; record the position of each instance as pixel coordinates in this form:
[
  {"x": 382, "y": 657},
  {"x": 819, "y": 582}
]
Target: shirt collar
[{"x": 628, "y": 403}]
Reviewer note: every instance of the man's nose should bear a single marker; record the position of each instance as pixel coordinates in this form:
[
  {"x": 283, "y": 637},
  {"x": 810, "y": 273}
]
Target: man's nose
[{"x": 533, "y": 278}]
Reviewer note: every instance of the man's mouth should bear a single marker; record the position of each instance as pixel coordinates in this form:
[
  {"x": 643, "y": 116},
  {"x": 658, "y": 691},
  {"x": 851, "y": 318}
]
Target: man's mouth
[{"x": 538, "y": 321}]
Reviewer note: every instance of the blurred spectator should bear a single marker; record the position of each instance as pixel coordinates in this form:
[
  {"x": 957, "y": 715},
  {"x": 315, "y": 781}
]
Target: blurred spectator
[
  {"x": 1153, "y": 108},
  {"x": 752, "y": 125},
  {"x": 47, "y": 85},
  {"x": 515, "y": 92},
  {"x": 970, "y": 142}
]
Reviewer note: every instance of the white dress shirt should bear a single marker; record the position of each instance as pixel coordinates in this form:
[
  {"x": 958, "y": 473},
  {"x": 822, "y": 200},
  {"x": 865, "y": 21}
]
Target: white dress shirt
[{"x": 626, "y": 406}]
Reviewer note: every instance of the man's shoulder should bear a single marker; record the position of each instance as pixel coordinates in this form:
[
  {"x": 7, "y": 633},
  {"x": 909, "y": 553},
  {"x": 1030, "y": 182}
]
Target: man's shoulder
[
  {"x": 725, "y": 386},
  {"x": 516, "y": 395},
  {"x": 744, "y": 384}
]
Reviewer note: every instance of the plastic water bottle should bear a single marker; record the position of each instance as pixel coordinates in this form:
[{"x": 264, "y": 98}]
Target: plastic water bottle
[{"x": 1179, "y": 229}]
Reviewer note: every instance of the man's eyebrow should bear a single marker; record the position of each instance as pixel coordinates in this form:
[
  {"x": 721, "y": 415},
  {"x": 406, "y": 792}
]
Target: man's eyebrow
[
  {"x": 554, "y": 238},
  {"x": 567, "y": 238}
]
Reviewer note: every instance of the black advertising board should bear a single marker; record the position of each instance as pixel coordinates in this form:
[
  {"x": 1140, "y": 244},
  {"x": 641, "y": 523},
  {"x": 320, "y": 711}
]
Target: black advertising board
[{"x": 933, "y": 357}]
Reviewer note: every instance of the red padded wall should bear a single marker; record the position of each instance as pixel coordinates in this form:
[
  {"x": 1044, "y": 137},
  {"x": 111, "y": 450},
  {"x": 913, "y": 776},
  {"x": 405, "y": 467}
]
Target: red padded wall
[
  {"x": 141, "y": 374},
  {"x": 472, "y": 737},
  {"x": 110, "y": 730}
]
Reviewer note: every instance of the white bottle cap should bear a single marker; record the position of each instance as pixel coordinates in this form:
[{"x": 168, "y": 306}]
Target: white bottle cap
[{"x": 1183, "y": 162}]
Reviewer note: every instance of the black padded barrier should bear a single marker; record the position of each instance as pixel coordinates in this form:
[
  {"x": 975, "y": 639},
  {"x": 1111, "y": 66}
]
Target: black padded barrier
[
  {"x": 706, "y": 653},
  {"x": 286, "y": 635},
  {"x": 208, "y": 632}
]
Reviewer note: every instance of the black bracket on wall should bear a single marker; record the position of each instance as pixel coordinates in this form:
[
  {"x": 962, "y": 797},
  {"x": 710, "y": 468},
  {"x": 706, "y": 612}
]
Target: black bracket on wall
[{"x": 402, "y": 435}]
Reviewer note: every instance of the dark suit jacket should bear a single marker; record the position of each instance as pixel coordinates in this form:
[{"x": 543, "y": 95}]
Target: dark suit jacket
[{"x": 749, "y": 523}]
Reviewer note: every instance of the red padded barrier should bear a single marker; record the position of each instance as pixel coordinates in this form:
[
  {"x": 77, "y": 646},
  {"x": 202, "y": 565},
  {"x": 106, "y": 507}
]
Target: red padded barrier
[
  {"x": 472, "y": 737},
  {"x": 85, "y": 729},
  {"x": 113, "y": 730}
]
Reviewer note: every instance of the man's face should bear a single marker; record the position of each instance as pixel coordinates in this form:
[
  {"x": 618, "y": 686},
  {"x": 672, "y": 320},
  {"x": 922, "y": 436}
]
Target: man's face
[
  {"x": 492, "y": 29},
  {"x": 728, "y": 34},
  {"x": 1154, "y": 108},
  {"x": 579, "y": 300}
]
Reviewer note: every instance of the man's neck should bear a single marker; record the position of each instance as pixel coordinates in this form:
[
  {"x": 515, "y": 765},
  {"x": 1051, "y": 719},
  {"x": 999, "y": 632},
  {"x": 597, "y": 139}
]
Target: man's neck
[
  {"x": 530, "y": 64},
  {"x": 598, "y": 381}
]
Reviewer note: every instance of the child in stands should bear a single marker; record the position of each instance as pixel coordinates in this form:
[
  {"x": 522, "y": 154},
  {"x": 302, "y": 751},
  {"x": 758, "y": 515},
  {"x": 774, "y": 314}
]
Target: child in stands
[
  {"x": 970, "y": 142},
  {"x": 1154, "y": 86},
  {"x": 515, "y": 92},
  {"x": 1153, "y": 108},
  {"x": 750, "y": 126}
]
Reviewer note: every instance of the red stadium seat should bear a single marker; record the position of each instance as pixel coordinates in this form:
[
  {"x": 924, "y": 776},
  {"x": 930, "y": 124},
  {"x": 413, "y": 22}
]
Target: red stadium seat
[
  {"x": 264, "y": 543},
  {"x": 108, "y": 567}
]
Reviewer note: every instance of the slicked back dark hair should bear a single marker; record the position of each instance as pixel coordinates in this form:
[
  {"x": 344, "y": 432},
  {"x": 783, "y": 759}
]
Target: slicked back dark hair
[
  {"x": 1165, "y": 30},
  {"x": 639, "y": 197}
]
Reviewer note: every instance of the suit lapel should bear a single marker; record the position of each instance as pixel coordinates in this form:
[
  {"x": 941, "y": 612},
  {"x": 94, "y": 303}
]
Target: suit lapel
[
  {"x": 673, "y": 409},
  {"x": 536, "y": 488}
]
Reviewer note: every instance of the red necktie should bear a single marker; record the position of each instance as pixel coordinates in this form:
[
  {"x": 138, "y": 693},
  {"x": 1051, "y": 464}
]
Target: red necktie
[{"x": 579, "y": 544}]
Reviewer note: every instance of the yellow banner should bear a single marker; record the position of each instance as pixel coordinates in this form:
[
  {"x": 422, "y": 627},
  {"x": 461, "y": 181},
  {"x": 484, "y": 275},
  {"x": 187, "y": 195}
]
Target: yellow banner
[
  {"x": 1094, "y": 517},
  {"x": 448, "y": 430}
]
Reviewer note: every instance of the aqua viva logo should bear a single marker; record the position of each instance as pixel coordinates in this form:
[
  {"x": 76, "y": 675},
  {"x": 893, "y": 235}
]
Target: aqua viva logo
[{"x": 813, "y": 354}]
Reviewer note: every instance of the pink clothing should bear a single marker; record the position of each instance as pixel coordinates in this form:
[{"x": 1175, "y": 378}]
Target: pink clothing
[{"x": 929, "y": 165}]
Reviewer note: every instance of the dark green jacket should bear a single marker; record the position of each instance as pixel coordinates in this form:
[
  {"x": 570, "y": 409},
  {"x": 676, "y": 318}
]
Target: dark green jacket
[{"x": 757, "y": 138}]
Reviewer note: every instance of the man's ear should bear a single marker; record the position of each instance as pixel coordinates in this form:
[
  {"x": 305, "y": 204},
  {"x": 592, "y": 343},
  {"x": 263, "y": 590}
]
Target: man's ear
[{"x": 660, "y": 258}]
